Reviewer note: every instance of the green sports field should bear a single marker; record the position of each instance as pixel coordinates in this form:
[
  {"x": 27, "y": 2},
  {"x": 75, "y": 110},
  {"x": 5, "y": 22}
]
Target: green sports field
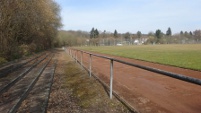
[{"x": 184, "y": 55}]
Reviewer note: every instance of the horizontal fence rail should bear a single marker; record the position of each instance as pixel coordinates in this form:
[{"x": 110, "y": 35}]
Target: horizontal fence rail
[{"x": 73, "y": 53}]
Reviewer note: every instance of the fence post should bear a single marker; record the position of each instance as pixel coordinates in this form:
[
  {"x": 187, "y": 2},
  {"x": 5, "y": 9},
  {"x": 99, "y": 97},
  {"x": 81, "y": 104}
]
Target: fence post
[
  {"x": 73, "y": 53},
  {"x": 81, "y": 57},
  {"x": 111, "y": 77},
  {"x": 76, "y": 56},
  {"x": 90, "y": 60}
]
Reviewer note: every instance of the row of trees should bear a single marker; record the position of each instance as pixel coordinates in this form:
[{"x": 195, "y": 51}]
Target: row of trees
[
  {"x": 153, "y": 38},
  {"x": 182, "y": 37},
  {"x": 94, "y": 33},
  {"x": 27, "y": 26},
  {"x": 95, "y": 37}
]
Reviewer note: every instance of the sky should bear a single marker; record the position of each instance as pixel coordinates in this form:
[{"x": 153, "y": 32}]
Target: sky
[{"x": 131, "y": 15}]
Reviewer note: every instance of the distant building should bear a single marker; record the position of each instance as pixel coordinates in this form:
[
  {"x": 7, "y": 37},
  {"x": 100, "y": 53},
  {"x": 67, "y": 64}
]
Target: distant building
[
  {"x": 119, "y": 44},
  {"x": 140, "y": 41}
]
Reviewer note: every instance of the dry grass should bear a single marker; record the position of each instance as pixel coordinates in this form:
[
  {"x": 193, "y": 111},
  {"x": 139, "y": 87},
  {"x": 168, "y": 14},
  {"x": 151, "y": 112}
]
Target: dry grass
[
  {"x": 73, "y": 91},
  {"x": 91, "y": 94}
]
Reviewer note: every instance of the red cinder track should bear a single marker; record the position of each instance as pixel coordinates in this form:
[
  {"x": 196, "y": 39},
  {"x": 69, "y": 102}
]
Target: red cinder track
[{"x": 150, "y": 92}]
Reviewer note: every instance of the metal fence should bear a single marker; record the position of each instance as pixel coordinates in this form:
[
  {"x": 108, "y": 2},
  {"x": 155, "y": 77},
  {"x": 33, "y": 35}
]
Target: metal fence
[{"x": 74, "y": 52}]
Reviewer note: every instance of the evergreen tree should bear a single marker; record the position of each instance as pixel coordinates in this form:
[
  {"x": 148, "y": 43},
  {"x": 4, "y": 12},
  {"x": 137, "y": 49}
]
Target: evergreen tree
[
  {"x": 96, "y": 33},
  {"x": 92, "y": 34},
  {"x": 181, "y": 33},
  {"x": 190, "y": 33},
  {"x": 115, "y": 34},
  {"x": 158, "y": 34},
  {"x": 169, "y": 32},
  {"x": 139, "y": 34}
]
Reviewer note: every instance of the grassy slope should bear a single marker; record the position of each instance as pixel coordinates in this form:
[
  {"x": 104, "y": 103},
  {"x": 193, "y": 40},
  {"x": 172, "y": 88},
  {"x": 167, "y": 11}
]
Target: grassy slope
[{"x": 187, "y": 56}]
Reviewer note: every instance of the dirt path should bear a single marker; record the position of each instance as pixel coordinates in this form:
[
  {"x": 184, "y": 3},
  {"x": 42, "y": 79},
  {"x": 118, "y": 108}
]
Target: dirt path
[{"x": 150, "y": 92}]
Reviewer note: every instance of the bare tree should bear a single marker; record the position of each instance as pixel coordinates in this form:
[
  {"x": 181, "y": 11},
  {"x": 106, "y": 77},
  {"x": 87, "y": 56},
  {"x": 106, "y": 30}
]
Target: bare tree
[
  {"x": 27, "y": 23},
  {"x": 197, "y": 35}
]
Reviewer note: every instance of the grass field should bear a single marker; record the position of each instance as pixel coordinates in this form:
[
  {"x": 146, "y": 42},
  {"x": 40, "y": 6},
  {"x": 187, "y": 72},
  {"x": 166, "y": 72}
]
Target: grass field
[{"x": 186, "y": 55}]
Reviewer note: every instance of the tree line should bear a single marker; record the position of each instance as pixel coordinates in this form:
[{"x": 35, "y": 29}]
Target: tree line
[
  {"x": 178, "y": 38},
  {"x": 157, "y": 37},
  {"x": 27, "y": 26},
  {"x": 96, "y": 37}
]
